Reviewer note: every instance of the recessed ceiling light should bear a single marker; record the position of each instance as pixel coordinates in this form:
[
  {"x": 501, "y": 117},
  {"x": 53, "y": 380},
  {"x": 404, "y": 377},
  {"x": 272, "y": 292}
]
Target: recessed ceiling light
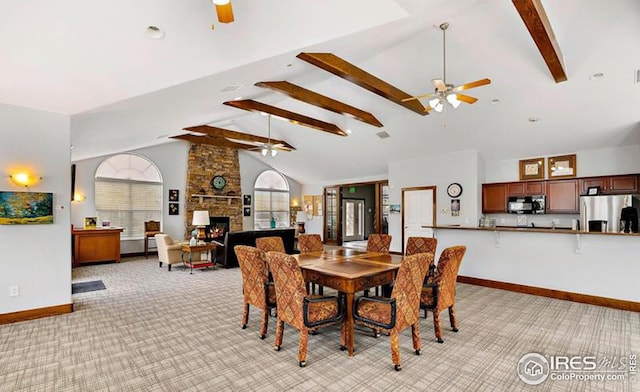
[
  {"x": 533, "y": 119},
  {"x": 348, "y": 131},
  {"x": 237, "y": 98},
  {"x": 162, "y": 136},
  {"x": 597, "y": 76},
  {"x": 155, "y": 32},
  {"x": 495, "y": 101}
]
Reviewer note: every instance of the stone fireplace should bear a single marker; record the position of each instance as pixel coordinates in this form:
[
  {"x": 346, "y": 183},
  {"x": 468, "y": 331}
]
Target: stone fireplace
[{"x": 205, "y": 162}]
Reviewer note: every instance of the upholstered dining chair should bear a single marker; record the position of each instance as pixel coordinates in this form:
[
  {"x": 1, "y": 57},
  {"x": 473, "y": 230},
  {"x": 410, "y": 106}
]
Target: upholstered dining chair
[
  {"x": 270, "y": 244},
  {"x": 308, "y": 243},
  {"x": 417, "y": 245},
  {"x": 401, "y": 310},
  {"x": 151, "y": 228},
  {"x": 256, "y": 290},
  {"x": 303, "y": 312},
  {"x": 439, "y": 292},
  {"x": 379, "y": 243}
]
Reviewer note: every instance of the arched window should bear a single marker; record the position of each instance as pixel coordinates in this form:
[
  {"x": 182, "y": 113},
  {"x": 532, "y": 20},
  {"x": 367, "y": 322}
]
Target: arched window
[
  {"x": 271, "y": 200},
  {"x": 128, "y": 193}
]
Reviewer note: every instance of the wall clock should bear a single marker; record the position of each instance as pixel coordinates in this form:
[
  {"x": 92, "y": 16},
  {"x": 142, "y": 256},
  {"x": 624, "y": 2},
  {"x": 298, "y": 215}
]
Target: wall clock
[
  {"x": 218, "y": 183},
  {"x": 454, "y": 189}
]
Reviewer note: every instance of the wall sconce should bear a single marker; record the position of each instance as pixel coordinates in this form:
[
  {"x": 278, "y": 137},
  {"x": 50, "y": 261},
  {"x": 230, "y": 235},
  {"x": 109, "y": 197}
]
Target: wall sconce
[
  {"x": 224, "y": 10},
  {"x": 24, "y": 179},
  {"x": 78, "y": 197}
]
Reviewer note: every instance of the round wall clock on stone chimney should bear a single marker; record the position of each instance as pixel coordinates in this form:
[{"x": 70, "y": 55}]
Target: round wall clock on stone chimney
[
  {"x": 454, "y": 189},
  {"x": 218, "y": 183}
]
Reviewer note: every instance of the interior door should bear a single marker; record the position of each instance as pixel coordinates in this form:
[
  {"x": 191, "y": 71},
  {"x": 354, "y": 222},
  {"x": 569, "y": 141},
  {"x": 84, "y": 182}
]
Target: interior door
[
  {"x": 419, "y": 212},
  {"x": 353, "y": 220}
]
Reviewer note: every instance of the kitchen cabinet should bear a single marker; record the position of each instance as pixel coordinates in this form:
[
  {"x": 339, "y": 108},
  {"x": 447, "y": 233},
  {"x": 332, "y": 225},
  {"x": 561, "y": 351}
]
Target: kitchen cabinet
[
  {"x": 494, "y": 198},
  {"x": 562, "y": 197},
  {"x": 527, "y": 188},
  {"x": 611, "y": 185}
]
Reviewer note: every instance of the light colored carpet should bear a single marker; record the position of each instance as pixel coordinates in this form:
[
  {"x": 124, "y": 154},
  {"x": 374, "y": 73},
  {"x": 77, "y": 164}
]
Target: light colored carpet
[{"x": 153, "y": 330}]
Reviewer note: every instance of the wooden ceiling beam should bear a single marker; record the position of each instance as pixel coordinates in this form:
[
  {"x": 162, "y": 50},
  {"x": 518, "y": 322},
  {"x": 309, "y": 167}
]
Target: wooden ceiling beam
[
  {"x": 212, "y": 140},
  {"x": 342, "y": 68},
  {"x": 535, "y": 18},
  {"x": 295, "y": 118},
  {"x": 228, "y": 134},
  {"x": 322, "y": 101}
]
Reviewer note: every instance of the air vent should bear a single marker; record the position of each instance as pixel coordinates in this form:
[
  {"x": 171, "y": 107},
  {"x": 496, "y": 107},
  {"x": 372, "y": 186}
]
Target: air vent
[
  {"x": 383, "y": 134},
  {"x": 637, "y": 76},
  {"x": 231, "y": 88}
]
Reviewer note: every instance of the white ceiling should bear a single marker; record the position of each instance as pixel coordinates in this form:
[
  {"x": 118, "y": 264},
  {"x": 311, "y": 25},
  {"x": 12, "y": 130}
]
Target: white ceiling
[{"x": 93, "y": 60}]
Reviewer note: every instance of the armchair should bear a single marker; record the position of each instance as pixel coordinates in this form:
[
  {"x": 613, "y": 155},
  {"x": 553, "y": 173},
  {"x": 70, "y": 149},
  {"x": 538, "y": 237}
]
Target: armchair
[{"x": 170, "y": 252}]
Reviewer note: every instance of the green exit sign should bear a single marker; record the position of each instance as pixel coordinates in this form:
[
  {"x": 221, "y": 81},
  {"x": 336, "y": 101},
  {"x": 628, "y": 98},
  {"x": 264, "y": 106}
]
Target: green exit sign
[{"x": 352, "y": 189}]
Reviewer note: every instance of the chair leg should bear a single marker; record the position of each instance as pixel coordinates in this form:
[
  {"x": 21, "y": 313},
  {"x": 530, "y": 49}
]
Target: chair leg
[
  {"x": 169, "y": 267},
  {"x": 415, "y": 336},
  {"x": 264, "y": 324},
  {"x": 302, "y": 347},
  {"x": 160, "y": 264},
  {"x": 320, "y": 290},
  {"x": 452, "y": 318},
  {"x": 245, "y": 315},
  {"x": 394, "y": 340},
  {"x": 343, "y": 336},
  {"x": 436, "y": 325},
  {"x": 279, "y": 333},
  {"x": 146, "y": 247}
]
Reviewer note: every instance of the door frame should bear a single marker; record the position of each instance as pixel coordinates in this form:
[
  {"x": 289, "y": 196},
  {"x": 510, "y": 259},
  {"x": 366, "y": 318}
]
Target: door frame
[{"x": 435, "y": 207}]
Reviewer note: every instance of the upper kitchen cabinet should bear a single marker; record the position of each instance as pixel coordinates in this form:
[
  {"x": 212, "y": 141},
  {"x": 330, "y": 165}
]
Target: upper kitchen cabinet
[
  {"x": 526, "y": 188},
  {"x": 562, "y": 197},
  {"x": 494, "y": 198},
  {"x": 611, "y": 184}
]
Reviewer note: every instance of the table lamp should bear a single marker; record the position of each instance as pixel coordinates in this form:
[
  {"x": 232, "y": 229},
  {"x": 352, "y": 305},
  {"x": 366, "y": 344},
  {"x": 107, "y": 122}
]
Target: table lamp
[
  {"x": 201, "y": 220},
  {"x": 301, "y": 218}
]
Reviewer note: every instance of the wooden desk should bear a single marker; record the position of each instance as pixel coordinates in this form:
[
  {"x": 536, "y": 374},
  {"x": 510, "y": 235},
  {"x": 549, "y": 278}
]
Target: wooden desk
[
  {"x": 93, "y": 245},
  {"x": 349, "y": 271}
]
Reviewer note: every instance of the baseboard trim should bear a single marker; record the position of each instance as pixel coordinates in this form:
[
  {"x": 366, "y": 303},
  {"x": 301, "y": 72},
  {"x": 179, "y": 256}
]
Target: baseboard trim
[
  {"x": 33, "y": 314},
  {"x": 557, "y": 294}
]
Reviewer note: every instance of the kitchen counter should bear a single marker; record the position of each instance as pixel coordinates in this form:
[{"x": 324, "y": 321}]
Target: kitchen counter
[{"x": 561, "y": 230}]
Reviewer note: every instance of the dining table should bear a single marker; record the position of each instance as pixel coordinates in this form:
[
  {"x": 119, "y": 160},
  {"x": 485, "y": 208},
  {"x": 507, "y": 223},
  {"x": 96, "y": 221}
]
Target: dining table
[{"x": 349, "y": 271}]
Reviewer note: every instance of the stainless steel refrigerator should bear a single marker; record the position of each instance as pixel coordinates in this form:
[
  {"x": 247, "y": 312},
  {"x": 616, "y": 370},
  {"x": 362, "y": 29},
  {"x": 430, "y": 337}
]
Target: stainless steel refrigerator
[{"x": 602, "y": 213}]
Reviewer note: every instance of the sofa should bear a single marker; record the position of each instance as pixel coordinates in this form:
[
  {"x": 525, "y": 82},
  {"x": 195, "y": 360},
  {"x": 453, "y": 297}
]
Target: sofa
[{"x": 225, "y": 255}]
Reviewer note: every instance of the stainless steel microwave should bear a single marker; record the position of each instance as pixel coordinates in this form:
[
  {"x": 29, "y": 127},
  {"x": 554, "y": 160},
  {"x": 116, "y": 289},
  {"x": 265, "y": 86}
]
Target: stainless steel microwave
[{"x": 526, "y": 205}]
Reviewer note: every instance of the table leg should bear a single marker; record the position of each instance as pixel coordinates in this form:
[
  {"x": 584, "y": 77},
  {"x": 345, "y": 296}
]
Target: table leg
[
  {"x": 348, "y": 319},
  {"x": 191, "y": 262}
]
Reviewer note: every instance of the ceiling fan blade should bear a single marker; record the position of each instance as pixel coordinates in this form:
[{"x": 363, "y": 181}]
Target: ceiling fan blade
[
  {"x": 466, "y": 98},
  {"x": 439, "y": 84},
  {"x": 419, "y": 97},
  {"x": 471, "y": 85}
]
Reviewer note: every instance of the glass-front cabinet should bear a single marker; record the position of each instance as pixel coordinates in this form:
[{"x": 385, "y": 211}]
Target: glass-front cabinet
[{"x": 332, "y": 215}]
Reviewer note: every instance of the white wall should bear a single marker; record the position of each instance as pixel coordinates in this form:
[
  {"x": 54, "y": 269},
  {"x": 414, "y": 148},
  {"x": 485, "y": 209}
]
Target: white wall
[
  {"x": 37, "y": 258},
  {"x": 605, "y": 161},
  {"x": 440, "y": 170}
]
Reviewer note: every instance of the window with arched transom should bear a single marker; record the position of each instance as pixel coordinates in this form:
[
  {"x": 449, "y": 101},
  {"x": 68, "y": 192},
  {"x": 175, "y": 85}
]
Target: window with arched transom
[
  {"x": 271, "y": 200},
  {"x": 128, "y": 191}
]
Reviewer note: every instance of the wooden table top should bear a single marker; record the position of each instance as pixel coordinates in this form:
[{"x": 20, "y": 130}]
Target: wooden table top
[{"x": 348, "y": 263}]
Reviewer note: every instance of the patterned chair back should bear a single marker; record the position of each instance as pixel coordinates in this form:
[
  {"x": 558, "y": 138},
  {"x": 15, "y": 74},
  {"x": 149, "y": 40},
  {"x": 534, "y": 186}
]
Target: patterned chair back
[
  {"x": 379, "y": 243},
  {"x": 417, "y": 245},
  {"x": 447, "y": 274},
  {"x": 270, "y": 244},
  {"x": 254, "y": 275},
  {"x": 310, "y": 243},
  {"x": 290, "y": 288},
  {"x": 408, "y": 287}
]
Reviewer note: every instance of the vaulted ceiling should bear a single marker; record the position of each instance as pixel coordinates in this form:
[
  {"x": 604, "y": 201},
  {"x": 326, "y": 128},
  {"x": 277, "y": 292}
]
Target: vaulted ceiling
[{"x": 123, "y": 90}]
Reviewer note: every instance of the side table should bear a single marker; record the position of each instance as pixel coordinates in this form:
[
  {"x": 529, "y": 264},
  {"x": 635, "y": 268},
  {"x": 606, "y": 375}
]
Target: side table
[{"x": 191, "y": 249}]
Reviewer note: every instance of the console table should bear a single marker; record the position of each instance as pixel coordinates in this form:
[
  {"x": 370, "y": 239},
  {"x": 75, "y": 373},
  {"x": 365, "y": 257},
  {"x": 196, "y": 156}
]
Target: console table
[{"x": 93, "y": 245}]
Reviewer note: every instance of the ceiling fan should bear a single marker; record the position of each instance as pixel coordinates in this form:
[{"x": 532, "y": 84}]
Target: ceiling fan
[
  {"x": 445, "y": 92},
  {"x": 268, "y": 148}
]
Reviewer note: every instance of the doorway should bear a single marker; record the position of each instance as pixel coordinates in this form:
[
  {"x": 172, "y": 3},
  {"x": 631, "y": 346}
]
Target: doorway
[
  {"x": 419, "y": 212},
  {"x": 353, "y": 220}
]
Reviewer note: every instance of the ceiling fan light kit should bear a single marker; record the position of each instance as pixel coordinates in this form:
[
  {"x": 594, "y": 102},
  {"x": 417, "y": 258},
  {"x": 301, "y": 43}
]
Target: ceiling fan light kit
[{"x": 444, "y": 92}]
